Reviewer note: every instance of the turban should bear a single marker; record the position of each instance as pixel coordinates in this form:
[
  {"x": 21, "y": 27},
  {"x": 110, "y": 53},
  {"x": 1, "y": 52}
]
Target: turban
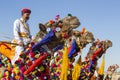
[{"x": 25, "y": 10}]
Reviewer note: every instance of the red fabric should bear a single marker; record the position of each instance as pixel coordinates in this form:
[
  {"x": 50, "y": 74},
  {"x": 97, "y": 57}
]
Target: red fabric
[
  {"x": 36, "y": 63},
  {"x": 96, "y": 53},
  {"x": 45, "y": 74},
  {"x": 25, "y": 10},
  {"x": 69, "y": 48}
]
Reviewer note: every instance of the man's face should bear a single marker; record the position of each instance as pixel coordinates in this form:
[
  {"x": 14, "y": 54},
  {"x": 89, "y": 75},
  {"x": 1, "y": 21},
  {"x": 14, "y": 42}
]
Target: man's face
[{"x": 26, "y": 16}]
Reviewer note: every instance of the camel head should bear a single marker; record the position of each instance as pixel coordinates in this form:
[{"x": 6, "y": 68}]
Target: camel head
[
  {"x": 85, "y": 38},
  {"x": 79, "y": 40},
  {"x": 62, "y": 28},
  {"x": 106, "y": 44},
  {"x": 97, "y": 44},
  {"x": 82, "y": 39}
]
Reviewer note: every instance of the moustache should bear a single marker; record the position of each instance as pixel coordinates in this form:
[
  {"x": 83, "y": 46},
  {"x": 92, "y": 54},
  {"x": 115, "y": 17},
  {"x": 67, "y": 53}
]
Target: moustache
[{"x": 27, "y": 18}]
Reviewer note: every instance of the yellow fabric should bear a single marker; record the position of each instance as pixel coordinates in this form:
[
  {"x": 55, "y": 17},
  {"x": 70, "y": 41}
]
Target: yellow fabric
[
  {"x": 77, "y": 69},
  {"x": 25, "y": 26},
  {"x": 101, "y": 69},
  {"x": 23, "y": 34},
  {"x": 1, "y": 75},
  {"x": 64, "y": 67},
  {"x": 15, "y": 42},
  {"x": 6, "y": 50}
]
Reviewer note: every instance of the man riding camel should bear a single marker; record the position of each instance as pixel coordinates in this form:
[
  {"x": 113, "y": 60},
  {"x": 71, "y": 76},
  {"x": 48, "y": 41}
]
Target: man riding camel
[{"x": 21, "y": 32}]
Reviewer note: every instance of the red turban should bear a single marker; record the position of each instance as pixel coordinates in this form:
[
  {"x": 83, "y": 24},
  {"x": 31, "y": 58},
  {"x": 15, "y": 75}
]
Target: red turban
[{"x": 25, "y": 10}]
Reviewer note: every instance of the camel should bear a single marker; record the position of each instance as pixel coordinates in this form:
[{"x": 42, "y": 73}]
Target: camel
[
  {"x": 62, "y": 30},
  {"x": 82, "y": 40},
  {"x": 68, "y": 24},
  {"x": 89, "y": 66},
  {"x": 35, "y": 62},
  {"x": 110, "y": 71}
]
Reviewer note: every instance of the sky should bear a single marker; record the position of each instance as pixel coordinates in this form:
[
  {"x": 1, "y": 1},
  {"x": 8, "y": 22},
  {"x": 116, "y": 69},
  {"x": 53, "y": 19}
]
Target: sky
[{"x": 101, "y": 17}]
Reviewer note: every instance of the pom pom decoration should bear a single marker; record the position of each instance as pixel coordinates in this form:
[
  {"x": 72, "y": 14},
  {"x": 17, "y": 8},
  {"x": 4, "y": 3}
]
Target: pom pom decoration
[
  {"x": 69, "y": 14},
  {"x": 57, "y": 17},
  {"x": 51, "y": 21},
  {"x": 37, "y": 62}
]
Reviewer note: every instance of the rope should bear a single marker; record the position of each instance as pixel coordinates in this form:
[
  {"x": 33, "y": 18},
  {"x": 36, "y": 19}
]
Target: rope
[
  {"x": 6, "y": 36},
  {"x": 8, "y": 42}
]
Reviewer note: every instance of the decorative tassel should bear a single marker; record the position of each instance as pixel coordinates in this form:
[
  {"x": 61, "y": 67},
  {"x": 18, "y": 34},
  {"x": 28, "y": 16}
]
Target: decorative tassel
[
  {"x": 83, "y": 31},
  {"x": 57, "y": 17},
  {"x": 77, "y": 69},
  {"x": 64, "y": 67},
  {"x": 73, "y": 49},
  {"x": 101, "y": 69},
  {"x": 45, "y": 40}
]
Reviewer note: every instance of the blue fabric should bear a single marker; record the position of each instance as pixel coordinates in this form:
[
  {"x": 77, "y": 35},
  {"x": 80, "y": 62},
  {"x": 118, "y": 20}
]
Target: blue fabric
[
  {"x": 73, "y": 49},
  {"x": 45, "y": 40},
  {"x": 90, "y": 65},
  {"x": 58, "y": 47}
]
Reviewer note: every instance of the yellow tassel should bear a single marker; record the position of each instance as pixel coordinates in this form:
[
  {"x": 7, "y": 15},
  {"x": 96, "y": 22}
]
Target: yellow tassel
[
  {"x": 64, "y": 67},
  {"x": 101, "y": 69},
  {"x": 77, "y": 69}
]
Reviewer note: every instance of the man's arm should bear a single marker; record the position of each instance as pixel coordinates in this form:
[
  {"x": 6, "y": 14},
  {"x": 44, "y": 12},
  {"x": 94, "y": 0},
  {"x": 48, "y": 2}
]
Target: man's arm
[
  {"x": 29, "y": 31},
  {"x": 16, "y": 31}
]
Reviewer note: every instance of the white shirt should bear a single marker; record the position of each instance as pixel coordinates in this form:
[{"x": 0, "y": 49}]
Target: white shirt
[{"x": 18, "y": 28}]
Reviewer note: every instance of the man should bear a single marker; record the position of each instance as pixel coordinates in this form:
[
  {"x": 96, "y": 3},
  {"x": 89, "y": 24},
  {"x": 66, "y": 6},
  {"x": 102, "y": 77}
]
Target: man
[{"x": 21, "y": 33}]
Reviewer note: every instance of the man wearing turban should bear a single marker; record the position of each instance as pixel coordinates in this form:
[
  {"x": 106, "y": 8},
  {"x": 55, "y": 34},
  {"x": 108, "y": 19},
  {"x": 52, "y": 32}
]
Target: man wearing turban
[{"x": 21, "y": 32}]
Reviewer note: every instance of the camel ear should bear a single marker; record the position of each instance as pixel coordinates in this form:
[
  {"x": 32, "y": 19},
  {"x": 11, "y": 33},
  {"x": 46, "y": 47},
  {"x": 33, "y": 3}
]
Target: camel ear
[{"x": 42, "y": 27}]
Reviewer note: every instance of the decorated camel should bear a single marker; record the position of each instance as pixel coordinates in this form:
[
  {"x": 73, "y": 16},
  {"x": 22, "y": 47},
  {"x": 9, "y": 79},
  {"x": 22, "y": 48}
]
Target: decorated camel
[
  {"x": 100, "y": 50},
  {"x": 73, "y": 21},
  {"x": 56, "y": 36},
  {"x": 110, "y": 71},
  {"x": 87, "y": 67},
  {"x": 83, "y": 42}
]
